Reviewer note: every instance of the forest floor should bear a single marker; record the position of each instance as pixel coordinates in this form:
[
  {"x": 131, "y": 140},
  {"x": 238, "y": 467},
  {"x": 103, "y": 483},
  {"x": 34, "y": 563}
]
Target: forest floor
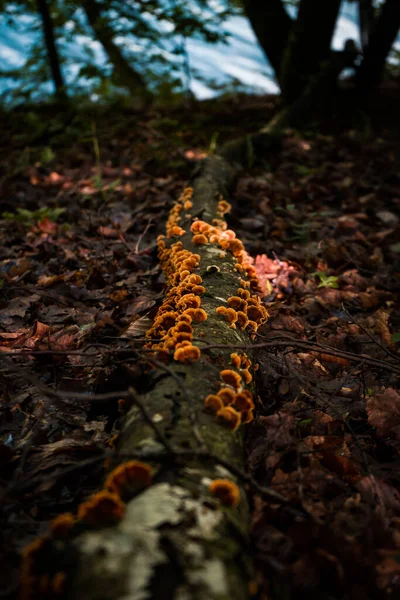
[{"x": 82, "y": 205}]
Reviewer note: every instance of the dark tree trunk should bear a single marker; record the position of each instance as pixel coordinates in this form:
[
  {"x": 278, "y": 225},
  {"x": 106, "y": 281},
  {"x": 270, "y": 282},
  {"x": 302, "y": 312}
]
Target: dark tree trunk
[
  {"x": 382, "y": 37},
  {"x": 124, "y": 74},
  {"x": 309, "y": 45},
  {"x": 52, "y": 53},
  {"x": 366, "y": 15},
  {"x": 272, "y": 25}
]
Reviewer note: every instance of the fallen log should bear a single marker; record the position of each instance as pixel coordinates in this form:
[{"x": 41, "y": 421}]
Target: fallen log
[{"x": 173, "y": 525}]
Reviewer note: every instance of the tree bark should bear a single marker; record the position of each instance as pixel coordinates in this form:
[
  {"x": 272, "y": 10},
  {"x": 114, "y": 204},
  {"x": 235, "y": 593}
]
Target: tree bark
[
  {"x": 309, "y": 45},
  {"x": 124, "y": 74},
  {"x": 54, "y": 61},
  {"x": 383, "y": 35},
  {"x": 272, "y": 26},
  {"x": 366, "y": 14}
]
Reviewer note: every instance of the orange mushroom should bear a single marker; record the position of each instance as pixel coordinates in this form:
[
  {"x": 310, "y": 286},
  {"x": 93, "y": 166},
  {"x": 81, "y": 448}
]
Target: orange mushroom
[
  {"x": 226, "y": 491},
  {"x": 101, "y": 508},
  {"x": 229, "y": 417}
]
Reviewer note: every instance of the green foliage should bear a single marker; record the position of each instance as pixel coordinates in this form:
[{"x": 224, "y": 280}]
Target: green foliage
[
  {"x": 326, "y": 280},
  {"x": 29, "y": 217},
  {"x": 151, "y": 35},
  {"x": 395, "y": 338},
  {"x": 47, "y": 155}
]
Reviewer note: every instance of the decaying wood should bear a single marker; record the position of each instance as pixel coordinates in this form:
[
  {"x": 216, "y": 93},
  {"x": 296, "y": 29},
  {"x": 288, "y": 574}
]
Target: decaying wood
[{"x": 176, "y": 540}]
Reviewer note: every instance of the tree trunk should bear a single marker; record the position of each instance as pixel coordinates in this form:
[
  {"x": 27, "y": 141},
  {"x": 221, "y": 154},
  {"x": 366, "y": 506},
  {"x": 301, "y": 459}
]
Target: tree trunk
[
  {"x": 124, "y": 74},
  {"x": 51, "y": 48},
  {"x": 383, "y": 35},
  {"x": 366, "y": 13},
  {"x": 309, "y": 45},
  {"x": 272, "y": 26}
]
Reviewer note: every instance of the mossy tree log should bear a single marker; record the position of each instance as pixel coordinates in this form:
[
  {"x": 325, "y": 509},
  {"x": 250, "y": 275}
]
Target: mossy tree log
[{"x": 176, "y": 539}]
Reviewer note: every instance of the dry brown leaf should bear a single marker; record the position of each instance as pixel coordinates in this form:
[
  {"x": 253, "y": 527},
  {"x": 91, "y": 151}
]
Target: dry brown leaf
[{"x": 384, "y": 412}]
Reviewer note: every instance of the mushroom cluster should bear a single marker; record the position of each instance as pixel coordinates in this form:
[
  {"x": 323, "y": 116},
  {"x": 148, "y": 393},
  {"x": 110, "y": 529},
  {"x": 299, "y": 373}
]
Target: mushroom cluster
[
  {"x": 244, "y": 311},
  {"x": 184, "y": 202},
  {"x": 232, "y": 404},
  {"x": 217, "y": 233},
  {"x": 181, "y": 309},
  {"x": 99, "y": 510}
]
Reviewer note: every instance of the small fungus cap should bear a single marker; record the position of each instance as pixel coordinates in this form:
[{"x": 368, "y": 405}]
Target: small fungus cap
[
  {"x": 231, "y": 378},
  {"x": 226, "y": 491},
  {"x": 229, "y": 417},
  {"x": 187, "y": 354}
]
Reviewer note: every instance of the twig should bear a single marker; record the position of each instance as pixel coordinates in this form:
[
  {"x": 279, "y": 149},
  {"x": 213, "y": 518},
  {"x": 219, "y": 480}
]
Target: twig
[{"x": 371, "y": 337}]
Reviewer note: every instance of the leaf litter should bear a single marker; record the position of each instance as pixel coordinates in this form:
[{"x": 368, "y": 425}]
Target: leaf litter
[{"x": 79, "y": 286}]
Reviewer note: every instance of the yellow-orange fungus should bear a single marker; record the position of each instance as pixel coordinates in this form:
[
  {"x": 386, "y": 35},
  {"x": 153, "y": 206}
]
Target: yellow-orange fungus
[
  {"x": 199, "y": 315},
  {"x": 205, "y": 227},
  {"x": 235, "y": 360},
  {"x": 256, "y": 313},
  {"x": 199, "y": 239},
  {"x": 221, "y": 310},
  {"x": 182, "y": 326},
  {"x": 167, "y": 319},
  {"x": 183, "y": 344},
  {"x": 227, "y": 395},
  {"x": 34, "y": 547},
  {"x": 231, "y": 378},
  {"x": 188, "y": 193},
  {"x": 195, "y": 226},
  {"x": 230, "y": 315},
  {"x": 224, "y": 207},
  {"x": 242, "y": 402},
  {"x": 132, "y": 473},
  {"x": 247, "y": 416},
  {"x": 245, "y": 362},
  {"x": 243, "y": 293},
  {"x": 189, "y": 301},
  {"x": 198, "y": 289},
  {"x": 101, "y": 509},
  {"x": 195, "y": 279},
  {"x": 181, "y": 336},
  {"x": 247, "y": 376},
  {"x": 213, "y": 403},
  {"x": 226, "y": 491},
  {"x": 252, "y": 326},
  {"x": 187, "y": 354},
  {"x": 234, "y": 246},
  {"x": 242, "y": 320},
  {"x": 187, "y": 205},
  {"x": 237, "y": 303},
  {"x": 58, "y": 582},
  {"x": 61, "y": 526},
  {"x": 176, "y": 230},
  {"x": 220, "y": 223},
  {"x": 229, "y": 417},
  {"x": 184, "y": 274},
  {"x": 184, "y": 318}
]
